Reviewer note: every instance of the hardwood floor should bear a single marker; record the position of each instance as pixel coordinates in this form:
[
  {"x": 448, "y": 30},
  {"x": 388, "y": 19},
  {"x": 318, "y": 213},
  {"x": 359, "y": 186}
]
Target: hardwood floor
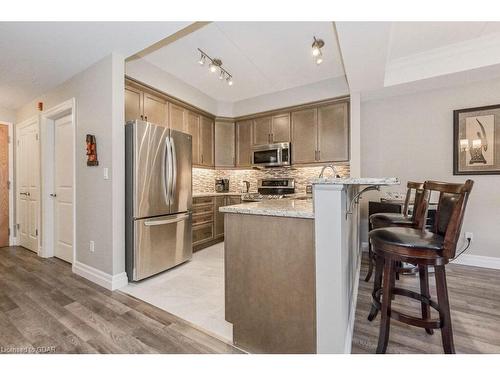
[
  {"x": 44, "y": 307},
  {"x": 475, "y": 312}
]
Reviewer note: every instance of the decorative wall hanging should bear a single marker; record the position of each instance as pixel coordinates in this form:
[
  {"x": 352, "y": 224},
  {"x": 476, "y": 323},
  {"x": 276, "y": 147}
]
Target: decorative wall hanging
[
  {"x": 476, "y": 140},
  {"x": 91, "y": 151}
]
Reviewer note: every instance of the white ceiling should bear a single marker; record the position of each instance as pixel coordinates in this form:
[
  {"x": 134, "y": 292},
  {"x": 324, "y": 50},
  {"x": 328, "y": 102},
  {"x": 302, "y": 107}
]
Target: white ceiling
[
  {"x": 263, "y": 57},
  {"x": 37, "y": 56},
  {"x": 391, "y": 58},
  {"x": 410, "y": 38}
]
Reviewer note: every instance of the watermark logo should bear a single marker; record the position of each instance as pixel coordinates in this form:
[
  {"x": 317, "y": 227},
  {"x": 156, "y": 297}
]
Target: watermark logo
[{"x": 27, "y": 349}]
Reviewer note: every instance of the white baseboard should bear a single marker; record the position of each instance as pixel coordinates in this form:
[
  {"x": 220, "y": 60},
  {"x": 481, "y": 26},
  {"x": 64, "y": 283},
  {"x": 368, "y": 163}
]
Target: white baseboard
[
  {"x": 111, "y": 282},
  {"x": 352, "y": 311},
  {"x": 478, "y": 261}
]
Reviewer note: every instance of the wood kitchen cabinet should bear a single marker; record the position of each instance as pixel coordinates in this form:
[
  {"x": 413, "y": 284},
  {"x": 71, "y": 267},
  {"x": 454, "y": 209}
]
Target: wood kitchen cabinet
[
  {"x": 304, "y": 136},
  {"x": 207, "y": 141},
  {"x": 333, "y": 132},
  {"x": 177, "y": 117},
  {"x": 224, "y": 144},
  {"x": 208, "y": 222},
  {"x": 320, "y": 134},
  {"x": 271, "y": 129},
  {"x": 244, "y": 144},
  {"x": 193, "y": 128},
  {"x": 141, "y": 105},
  {"x": 133, "y": 103}
]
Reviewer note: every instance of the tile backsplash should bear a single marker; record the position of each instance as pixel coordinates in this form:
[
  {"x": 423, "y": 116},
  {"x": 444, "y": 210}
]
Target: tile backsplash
[{"x": 204, "y": 179}]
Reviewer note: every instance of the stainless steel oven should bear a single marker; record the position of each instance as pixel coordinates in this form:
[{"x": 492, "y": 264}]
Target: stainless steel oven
[{"x": 271, "y": 155}]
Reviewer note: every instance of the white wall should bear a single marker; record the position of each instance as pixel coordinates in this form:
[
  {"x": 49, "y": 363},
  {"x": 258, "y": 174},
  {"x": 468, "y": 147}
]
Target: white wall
[
  {"x": 163, "y": 81},
  {"x": 411, "y": 137},
  {"x": 326, "y": 89},
  {"x": 7, "y": 115},
  {"x": 100, "y": 203}
]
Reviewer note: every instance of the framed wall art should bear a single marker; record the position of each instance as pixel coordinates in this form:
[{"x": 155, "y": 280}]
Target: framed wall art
[{"x": 476, "y": 140}]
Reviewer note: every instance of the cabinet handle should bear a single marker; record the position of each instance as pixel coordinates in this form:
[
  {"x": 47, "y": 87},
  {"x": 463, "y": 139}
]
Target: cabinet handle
[
  {"x": 146, "y": 118},
  {"x": 201, "y": 158},
  {"x": 319, "y": 155},
  {"x": 142, "y": 117}
]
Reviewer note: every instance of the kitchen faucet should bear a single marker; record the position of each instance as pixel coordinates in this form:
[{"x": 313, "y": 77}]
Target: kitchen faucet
[{"x": 332, "y": 167}]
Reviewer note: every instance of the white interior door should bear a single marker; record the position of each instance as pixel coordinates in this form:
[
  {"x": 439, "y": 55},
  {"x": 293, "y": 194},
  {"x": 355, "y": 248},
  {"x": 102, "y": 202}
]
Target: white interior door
[
  {"x": 63, "y": 199},
  {"x": 28, "y": 186}
]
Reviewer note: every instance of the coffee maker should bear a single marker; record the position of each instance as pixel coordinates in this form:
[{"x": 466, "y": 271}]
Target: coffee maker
[{"x": 221, "y": 185}]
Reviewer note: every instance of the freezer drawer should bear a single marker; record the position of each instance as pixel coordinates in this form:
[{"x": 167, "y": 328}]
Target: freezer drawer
[{"x": 161, "y": 243}]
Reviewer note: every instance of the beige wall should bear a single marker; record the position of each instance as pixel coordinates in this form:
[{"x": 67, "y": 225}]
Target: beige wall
[
  {"x": 7, "y": 115},
  {"x": 411, "y": 137},
  {"x": 100, "y": 203}
]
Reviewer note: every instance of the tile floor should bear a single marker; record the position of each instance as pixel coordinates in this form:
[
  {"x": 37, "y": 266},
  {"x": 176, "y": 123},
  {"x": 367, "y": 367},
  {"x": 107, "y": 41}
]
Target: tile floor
[{"x": 193, "y": 291}]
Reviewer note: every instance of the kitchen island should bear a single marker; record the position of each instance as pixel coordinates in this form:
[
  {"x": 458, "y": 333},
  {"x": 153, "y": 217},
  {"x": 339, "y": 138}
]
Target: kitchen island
[{"x": 291, "y": 269}]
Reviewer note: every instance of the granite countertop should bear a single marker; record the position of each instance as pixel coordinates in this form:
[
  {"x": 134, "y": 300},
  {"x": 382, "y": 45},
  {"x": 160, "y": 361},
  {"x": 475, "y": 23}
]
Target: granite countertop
[
  {"x": 215, "y": 194},
  {"x": 356, "y": 181},
  {"x": 278, "y": 207}
]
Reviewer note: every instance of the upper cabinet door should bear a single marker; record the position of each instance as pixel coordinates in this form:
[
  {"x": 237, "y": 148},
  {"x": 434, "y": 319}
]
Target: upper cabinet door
[
  {"x": 280, "y": 128},
  {"x": 333, "y": 132},
  {"x": 207, "y": 141},
  {"x": 244, "y": 143},
  {"x": 224, "y": 144},
  {"x": 193, "y": 128},
  {"x": 155, "y": 110},
  {"x": 304, "y": 136},
  {"x": 262, "y": 131},
  {"x": 133, "y": 104},
  {"x": 177, "y": 117}
]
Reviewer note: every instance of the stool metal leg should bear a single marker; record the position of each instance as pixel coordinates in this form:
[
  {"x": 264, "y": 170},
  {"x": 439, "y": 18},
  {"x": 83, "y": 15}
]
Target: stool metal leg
[
  {"x": 377, "y": 284},
  {"x": 424, "y": 290},
  {"x": 385, "y": 313},
  {"x": 445, "y": 316}
]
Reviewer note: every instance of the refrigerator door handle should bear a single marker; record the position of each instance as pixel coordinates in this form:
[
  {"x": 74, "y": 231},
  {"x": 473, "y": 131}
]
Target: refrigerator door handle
[
  {"x": 166, "y": 221},
  {"x": 173, "y": 161},
  {"x": 167, "y": 170}
]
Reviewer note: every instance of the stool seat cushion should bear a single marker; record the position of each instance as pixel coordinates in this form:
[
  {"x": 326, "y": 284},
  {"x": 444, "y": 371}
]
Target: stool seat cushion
[
  {"x": 382, "y": 220},
  {"x": 408, "y": 238}
]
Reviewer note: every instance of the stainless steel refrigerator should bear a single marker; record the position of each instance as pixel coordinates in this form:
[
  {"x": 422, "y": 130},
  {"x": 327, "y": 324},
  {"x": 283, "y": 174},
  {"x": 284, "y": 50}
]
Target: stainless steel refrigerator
[{"x": 158, "y": 198}]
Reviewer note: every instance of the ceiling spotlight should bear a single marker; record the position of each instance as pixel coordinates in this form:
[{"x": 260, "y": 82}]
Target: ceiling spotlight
[
  {"x": 212, "y": 68},
  {"x": 316, "y": 47},
  {"x": 202, "y": 59},
  {"x": 222, "y": 75},
  {"x": 229, "y": 80},
  {"x": 319, "y": 60}
]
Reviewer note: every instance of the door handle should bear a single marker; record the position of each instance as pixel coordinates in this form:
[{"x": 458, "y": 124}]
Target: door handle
[
  {"x": 53, "y": 195},
  {"x": 166, "y": 221},
  {"x": 25, "y": 194},
  {"x": 173, "y": 160}
]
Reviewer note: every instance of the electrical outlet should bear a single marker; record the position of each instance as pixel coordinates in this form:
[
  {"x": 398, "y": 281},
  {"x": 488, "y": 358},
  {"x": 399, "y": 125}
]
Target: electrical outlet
[
  {"x": 91, "y": 246},
  {"x": 469, "y": 236}
]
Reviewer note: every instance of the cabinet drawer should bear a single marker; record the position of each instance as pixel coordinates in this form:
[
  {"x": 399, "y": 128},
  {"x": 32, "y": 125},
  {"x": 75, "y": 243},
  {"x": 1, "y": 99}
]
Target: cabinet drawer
[
  {"x": 203, "y": 209},
  {"x": 203, "y": 200},
  {"x": 203, "y": 218},
  {"x": 202, "y": 233}
]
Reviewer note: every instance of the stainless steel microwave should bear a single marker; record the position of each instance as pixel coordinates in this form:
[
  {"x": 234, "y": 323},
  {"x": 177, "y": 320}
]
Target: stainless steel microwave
[{"x": 271, "y": 155}]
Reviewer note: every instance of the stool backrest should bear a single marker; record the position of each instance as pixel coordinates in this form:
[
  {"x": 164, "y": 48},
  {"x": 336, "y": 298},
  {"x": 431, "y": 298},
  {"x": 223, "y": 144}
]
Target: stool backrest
[
  {"x": 450, "y": 211},
  {"x": 419, "y": 195}
]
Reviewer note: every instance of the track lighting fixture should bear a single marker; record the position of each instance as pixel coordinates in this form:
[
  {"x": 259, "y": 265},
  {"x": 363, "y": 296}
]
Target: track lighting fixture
[
  {"x": 316, "y": 50},
  {"x": 214, "y": 66}
]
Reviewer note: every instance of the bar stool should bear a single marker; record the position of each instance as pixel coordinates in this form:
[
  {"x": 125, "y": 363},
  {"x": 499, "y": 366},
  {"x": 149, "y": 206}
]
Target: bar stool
[
  {"x": 383, "y": 220},
  {"x": 435, "y": 247}
]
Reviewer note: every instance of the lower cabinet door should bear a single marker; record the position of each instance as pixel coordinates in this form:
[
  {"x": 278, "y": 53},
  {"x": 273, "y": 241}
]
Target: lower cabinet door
[{"x": 203, "y": 233}]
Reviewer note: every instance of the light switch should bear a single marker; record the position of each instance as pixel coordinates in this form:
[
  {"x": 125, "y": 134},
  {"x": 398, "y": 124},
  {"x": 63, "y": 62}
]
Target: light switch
[{"x": 105, "y": 171}]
